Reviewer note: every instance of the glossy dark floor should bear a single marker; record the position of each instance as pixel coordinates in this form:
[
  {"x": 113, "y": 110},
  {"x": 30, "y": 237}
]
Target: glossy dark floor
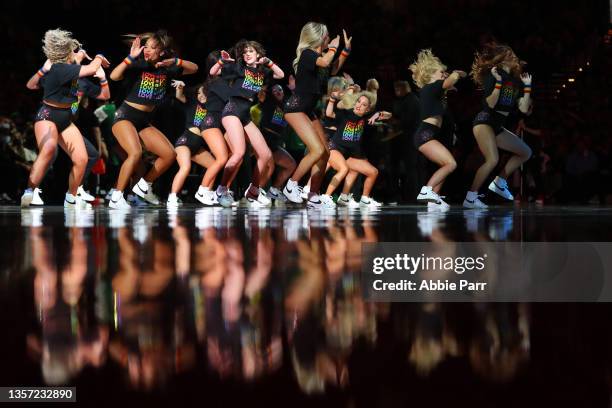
[{"x": 222, "y": 307}]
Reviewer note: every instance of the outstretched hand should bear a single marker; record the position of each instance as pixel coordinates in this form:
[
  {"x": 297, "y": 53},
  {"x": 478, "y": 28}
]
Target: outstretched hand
[
  {"x": 335, "y": 42},
  {"x": 526, "y": 78},
  {"x": 80, "y": 56},
  {"x": 136, "y": 49},
  {"x": 496, "y": 74},
  {"x": 177, "y": 84},
  {"x": 347, "y": 39},
  {"x": 226, "y": 56},
  {"x": 168, "y": 62}
]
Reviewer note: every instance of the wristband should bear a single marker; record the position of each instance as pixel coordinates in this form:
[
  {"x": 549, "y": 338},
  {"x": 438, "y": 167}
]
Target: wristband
[
  {"x": 270, "y": 64},
  {"x": 41, "y": 72},
  {"x": 178, "y": 62},
  {"x": 527, "y": 89},
  {"x": 332, "y": 49},
  {"x": 103, "y": 82},
  {"x": 498, "y": 85},
  {"x": 128, "y": 60},
  {"x": 220, "y": 62},
  {"x": 346, "y": 52}
]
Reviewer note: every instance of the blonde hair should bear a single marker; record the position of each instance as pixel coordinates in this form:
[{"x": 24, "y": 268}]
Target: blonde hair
[
  {"x": 372, "y": 85},
  {"x": 336, "y": 83},
  {"x": 58, "y": 45},
  {"x": 311, "y": 36},
  {"x": 350, "y": 99},
  {"x": 425, "y": 66}
]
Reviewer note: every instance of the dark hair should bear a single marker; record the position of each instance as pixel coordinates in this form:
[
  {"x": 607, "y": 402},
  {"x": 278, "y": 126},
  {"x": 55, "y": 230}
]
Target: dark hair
[
  {"x": 492, "y": 55},
  {"x": 237, "y": 50}
]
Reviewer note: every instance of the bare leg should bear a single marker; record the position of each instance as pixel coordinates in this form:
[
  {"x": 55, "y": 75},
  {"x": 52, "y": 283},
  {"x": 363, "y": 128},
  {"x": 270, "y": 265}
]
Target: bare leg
[
  {"x": 237, "y": 144},
  {"x": 128, "y": 139},
  {"x": 338, "y": 163},
  {"x": 510, "y": 142},
  {"x": 156, "y": 143},
  {"x": 304, "y": 128},
  {"x": 46, "y": 139},
  {"x": 183, "y": 157},
  {"x": 437, "y": 153},
  {"x": 485, "y": 137},
  {"x": 287, "y": 164},
  {"x": 218, "y": 148},
  {"x": 364, "y": 167},
  {"x": 71, "y": 141},
  {"x": 262, "y": 153}
]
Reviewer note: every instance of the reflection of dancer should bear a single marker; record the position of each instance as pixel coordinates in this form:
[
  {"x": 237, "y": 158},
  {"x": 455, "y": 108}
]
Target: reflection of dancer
[
  {"x": 53, "y": 125},
  {"x": 498, "y": 71},
  {"x": 430, "y": 75},
  {"x": 149, "y": 79}
]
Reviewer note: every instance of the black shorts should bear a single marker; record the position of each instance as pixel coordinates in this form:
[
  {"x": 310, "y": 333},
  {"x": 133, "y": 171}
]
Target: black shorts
[
  {"x": 424, "y": 133},
  {"x": 239, "y": 107},
  {"x": 273, "y": 139},
  {"x": 347, "y": 151},
  {"x": 492, "y": 118},
  {"x": 305, "y": 103},
  {"x": 193, "y": 141},
  {"x": 62, "y": 117},
  {"x": 330, "y": 133},
  {"x": 140, "y": 119},
  {"x": 212, "y": 120}
]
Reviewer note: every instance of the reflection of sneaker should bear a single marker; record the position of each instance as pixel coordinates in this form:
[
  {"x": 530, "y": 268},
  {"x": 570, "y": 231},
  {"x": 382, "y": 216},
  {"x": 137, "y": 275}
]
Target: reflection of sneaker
[
  {"x": 205, "y": 196},
  {"x": 32, "y": 217},
  {"x": 369, "y": 202},
  {"x": 277, "y": 195},
  {"x": 144, "y": 190},
  {"x": 76, "y": 203},
  {"x": 306, "y": 192},
  {"x": 117, "y": 201},
  {"x": 116, "y": 218},
  {"x": 428, "y": 195},
  {"x": 85, "y": 195},
  {"x": 293, "y": 192},
  {"x": 473, "y": 218},
  {"x": 501, "y": 227},
  {"x": 472, "y": 200},
  {"x": 500, "y": 187},
  {"x": 79, "y": 219},
  {"x": 173, "y": 201},
  {"x": 427, "y": 222},
  {"x": 204, "y": 218}
]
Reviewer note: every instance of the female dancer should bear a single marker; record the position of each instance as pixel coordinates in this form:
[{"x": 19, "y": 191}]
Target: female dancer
[
  {"x": 53, "y": 124},
  {"x": 430, "y": 75},
  {"x": 149, "y": 79},
  {"x": 272, "y": 126},
  {"x": 346, "y": 156},
  {"x": 190, "y": 146},
  {"x": 248, "y": 76},
  {"x": 299, "y": 109},
  {"x": 498, "y": 71}
]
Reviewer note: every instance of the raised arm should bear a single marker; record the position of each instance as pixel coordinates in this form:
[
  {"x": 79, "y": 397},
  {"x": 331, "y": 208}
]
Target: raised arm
[
  {"x": 91, "y": 68},
  {"x": 343, "y": 55},
  {"x": 216, "y": 68},
  {"x": 494, "y": 96},
  {"x": 33, "y": 82},
  {"x": 453, "y": 78},
  {"x": 135, "y": 51},
  {"x": 104, "y": 89},
  {"x": 188, "y": 66},
  {"x": 326, "y": 59},
  {"x": 525, "y": 102},
  {"x": 277, "y": 73},
  {"x": 329, "y": 110},
  {"x": 180, "y": 90}
]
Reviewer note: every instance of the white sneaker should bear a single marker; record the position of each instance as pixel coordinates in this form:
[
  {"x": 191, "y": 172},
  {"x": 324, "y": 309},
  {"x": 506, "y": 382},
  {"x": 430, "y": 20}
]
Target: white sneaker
[
  {"x": 293, "y": 192},
  {"x": 328, "y": 201},
  {"x": 277, "y": 195},
  {"x": 226, "y": 198},
  {"x": 317, "y": 202},
  {"x": 262, "y": 199},
  {"x": 85, "y": 195},
  {"x": 305, "y": 192},
  {"x": 173, "y": 201},
  {"x": 441, "y": 206},
  {"x": 428, "y": 195},
  {"x": 369, "y": 202},
  {"x": 31, "y": 197},
  {"x": 347, "y": 200},
  {"x": 206, "y": 197},
  {"x": 146, "y": 193},
  {"x": 76, "y": 203},
  {"x": 500, "y": 187},
  {"x": 118, "y": 202},
  {"x": 472, "y": 200}
]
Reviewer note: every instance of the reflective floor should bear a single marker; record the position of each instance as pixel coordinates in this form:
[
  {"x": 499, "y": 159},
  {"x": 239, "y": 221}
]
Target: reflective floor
[{"x": 221, "y": 307}]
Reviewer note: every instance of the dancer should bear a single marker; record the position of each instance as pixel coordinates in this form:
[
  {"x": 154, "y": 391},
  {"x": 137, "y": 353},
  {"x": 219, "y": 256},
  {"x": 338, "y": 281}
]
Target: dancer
[
  {"x": 273, "y": 126},
  {"x": 53, "y": 123},
  {"x": 299, "y": 109},
  {"x": 190, "y": 146},
  {"x": 498, "y": 71},
  {"x": 430, "y": 75},
  {"x": 346, "y": 156},
  {"x": 212, "y": 130},
  {"x": 252, "y": 71},
  {"x": 149, "y": 79}
]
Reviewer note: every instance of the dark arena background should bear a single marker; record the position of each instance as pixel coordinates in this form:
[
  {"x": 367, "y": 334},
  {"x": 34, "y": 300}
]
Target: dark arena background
[{"x": 212, "y": 306}]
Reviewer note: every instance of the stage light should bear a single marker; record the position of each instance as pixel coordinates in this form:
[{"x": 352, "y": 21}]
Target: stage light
[
  {"x": 563, "y": 85},
  {"x": 571, "y": 80}
]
